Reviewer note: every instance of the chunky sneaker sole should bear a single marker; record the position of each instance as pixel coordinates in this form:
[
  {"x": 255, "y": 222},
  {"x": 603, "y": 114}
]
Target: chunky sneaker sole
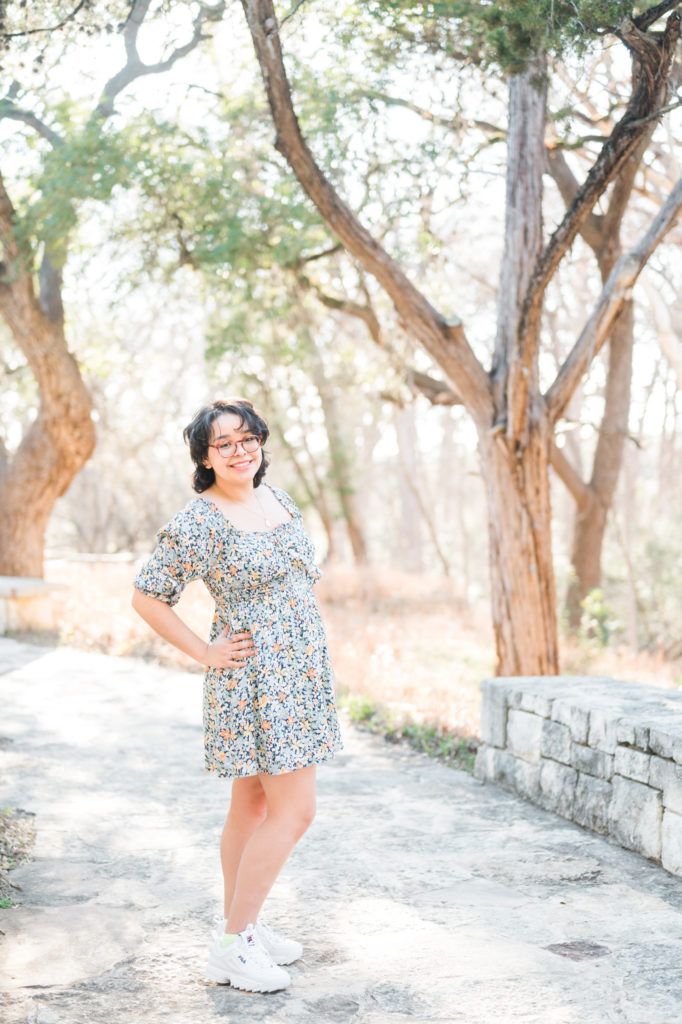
[{"x": 245, "y": 965}]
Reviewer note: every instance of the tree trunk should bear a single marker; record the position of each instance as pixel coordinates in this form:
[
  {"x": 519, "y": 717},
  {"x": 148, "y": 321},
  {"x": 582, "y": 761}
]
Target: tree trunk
[
  {"x": 340, "y": 463},
  {"x": 410, "y": 539},
  {"x": 515, "y": 457},
  {"x": 521, "y": 569},
  {"x": 592, "y": 514},
  {"x": 308, "y": 476},
  {"x": 62, "y": 437}
]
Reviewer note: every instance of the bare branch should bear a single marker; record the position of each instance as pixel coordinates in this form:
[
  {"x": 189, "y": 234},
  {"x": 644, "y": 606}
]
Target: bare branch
[
  {"x": 331, "y": 251},
  {"x": 653, "y": 61},
  {"x": 13, "y": 113},
  {"x": 438, "y": 392},
  {"x": 292, "y": 12},
  {"x": 47, "y": 28},
  {"x": 344, "y": 305},
  {"x": 567, "y": 184},
  {"x": 654, "y": 13},
  {"x": 615, "y": 294},
  {"x": 135, "y": 68},
  {"x": 569, "y": 476},
  {"x": 453, "y": 123}
]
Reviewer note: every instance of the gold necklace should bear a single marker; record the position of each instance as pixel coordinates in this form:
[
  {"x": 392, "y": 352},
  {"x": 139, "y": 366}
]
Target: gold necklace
[
  {"x": 262, "y": 513},
  {"x": 249, "y": 508}
]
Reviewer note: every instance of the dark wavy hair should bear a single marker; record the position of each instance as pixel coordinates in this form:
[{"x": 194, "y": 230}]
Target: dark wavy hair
[{"x": 197, "y": 435}]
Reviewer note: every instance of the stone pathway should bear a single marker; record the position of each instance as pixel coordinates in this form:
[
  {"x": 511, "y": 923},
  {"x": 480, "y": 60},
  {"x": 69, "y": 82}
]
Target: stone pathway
[{"x": 419, "y": 894}]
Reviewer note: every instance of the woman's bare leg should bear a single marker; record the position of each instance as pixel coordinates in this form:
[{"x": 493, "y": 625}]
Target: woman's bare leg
[
  {"x": 247, "y": 811},
  {"x": 290, "y": 810}
]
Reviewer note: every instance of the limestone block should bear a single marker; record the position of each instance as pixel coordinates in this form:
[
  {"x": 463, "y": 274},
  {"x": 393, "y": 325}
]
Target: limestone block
[
  {"x": 527, "y": 780},
  {"x": 555, "y": 741},
  {"x": 504, "y": 768},
  {"x": 633, "y": 764},
  {"x": 642, "y": 736},
  {"x": 625, "y": 731},
  {"x": 633, "y": 733},
  {"x": 523, "y": 734},
  {"x": 591, "y": 804},
  {"x": 663, "y": 735},
  {"x": 666, "y": 775},
  {"x": 485, "y": 763},
  {"x": 557, "y": 787},
  {"x": 661, "y": 772},
  {"x": 671, "y": 845},
  {"x": 603, "y": 730},
  {"x": 677, "y": 751},
  {"x": 537, "y": 703},
  {"x": 494, "y": 717},
  {"x": 592, "y": 761},
  {"x": 635, "y": 816},
  {"x": 514, "y": 696},
  {"x": 575, "y": 717}
]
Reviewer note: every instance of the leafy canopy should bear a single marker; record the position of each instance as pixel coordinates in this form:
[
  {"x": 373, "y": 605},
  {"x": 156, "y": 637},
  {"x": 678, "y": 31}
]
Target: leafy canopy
[{"x": 505, "y": 33}]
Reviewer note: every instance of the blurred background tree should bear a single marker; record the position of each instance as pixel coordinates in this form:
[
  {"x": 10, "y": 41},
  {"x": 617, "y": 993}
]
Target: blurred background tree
[{"x": 77, "y": 156}]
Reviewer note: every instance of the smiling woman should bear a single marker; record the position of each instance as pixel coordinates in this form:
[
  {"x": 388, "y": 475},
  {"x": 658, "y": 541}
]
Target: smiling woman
[{"x": 269, "y": 703}]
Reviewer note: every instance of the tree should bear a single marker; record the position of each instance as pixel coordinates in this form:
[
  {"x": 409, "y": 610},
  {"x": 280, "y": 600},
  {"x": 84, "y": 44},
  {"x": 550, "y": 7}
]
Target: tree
[
  {"x": 82, "y": 160},
  {"x": 602, "y": 233},
  {"x": 514, "y": 419}
]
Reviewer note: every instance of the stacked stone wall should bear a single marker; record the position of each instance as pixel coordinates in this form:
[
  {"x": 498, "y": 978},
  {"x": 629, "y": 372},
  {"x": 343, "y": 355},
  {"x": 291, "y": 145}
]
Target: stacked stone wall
[{"x": 604, "y": 753}]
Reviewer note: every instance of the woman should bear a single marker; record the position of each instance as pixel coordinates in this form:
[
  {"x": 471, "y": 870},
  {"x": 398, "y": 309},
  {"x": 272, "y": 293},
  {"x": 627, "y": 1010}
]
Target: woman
[{"x": 269, "y": 707}]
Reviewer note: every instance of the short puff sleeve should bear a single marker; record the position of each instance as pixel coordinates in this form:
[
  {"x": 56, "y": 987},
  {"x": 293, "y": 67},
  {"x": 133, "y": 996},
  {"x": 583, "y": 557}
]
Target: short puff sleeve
[{"x": 180, "y": 556}]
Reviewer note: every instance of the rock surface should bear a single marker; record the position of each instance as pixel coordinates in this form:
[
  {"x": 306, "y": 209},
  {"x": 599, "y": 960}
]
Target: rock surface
[
  {"x": 419, "y": 894},
  {"x": 605, "y": 753}
]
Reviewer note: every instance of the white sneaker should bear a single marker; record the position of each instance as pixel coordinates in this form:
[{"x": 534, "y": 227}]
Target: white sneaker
[
  {"x": 280, "y": 949},
  {"x": 245, "y": 964}
]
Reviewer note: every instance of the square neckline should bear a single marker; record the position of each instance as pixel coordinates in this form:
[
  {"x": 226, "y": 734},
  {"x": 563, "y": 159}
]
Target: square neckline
[{"x": 287, "y": 522}]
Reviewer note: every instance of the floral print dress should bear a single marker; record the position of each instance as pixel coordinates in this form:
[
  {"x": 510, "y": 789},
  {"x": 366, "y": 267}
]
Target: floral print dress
[{"x": 277, "y": 713}]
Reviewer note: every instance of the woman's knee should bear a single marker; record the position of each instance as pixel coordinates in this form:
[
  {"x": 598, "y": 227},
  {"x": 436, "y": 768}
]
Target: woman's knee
[
  {"x": 248, "y": 800},
  {"x": 298, "y": 817}
]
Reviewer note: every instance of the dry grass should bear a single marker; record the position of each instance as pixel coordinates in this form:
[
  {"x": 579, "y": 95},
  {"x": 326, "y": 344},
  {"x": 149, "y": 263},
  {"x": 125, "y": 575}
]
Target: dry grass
[{"x": 401, "y": 640}]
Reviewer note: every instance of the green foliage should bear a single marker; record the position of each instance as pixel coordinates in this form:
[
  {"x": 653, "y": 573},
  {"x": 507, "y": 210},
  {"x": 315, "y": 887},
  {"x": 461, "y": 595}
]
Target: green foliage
[
  {"x": 505, "y": 33},
  {"x": 598, "y": 623},
  {"x": 215, "y": 197},
  {"x": 395, "y": 725},
  {"x": 88, "y": 165}
]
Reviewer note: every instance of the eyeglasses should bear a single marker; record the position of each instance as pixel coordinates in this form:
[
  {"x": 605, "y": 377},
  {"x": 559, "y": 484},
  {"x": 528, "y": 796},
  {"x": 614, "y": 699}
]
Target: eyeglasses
[{"x": 227, "y": 449}]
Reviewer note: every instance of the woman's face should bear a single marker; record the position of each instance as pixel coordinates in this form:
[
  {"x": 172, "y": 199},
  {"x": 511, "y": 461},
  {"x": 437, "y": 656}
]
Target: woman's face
[{"x": 240, "y": 465}]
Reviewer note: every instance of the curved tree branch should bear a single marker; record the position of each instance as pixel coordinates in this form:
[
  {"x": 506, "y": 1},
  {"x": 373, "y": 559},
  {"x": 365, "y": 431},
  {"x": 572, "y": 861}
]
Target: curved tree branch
[
  {"x": 438, "y": 392},
  {"x": 47, "y": 28},
  {"x": 134, "y": 67},
  {"x": 615, "y": 294},
  {"x": 653, "y": 60},
  {"x": 445, "y": 340},
  {"x": 569, "y": 476},
  {"x": 13, "y": 113},
  {"x": 566, "y": 182},
  {"x": 654, "y": 13}
]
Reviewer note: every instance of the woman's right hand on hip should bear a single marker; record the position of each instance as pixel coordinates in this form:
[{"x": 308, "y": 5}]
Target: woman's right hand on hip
[{"x": 229, "y": 650}]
